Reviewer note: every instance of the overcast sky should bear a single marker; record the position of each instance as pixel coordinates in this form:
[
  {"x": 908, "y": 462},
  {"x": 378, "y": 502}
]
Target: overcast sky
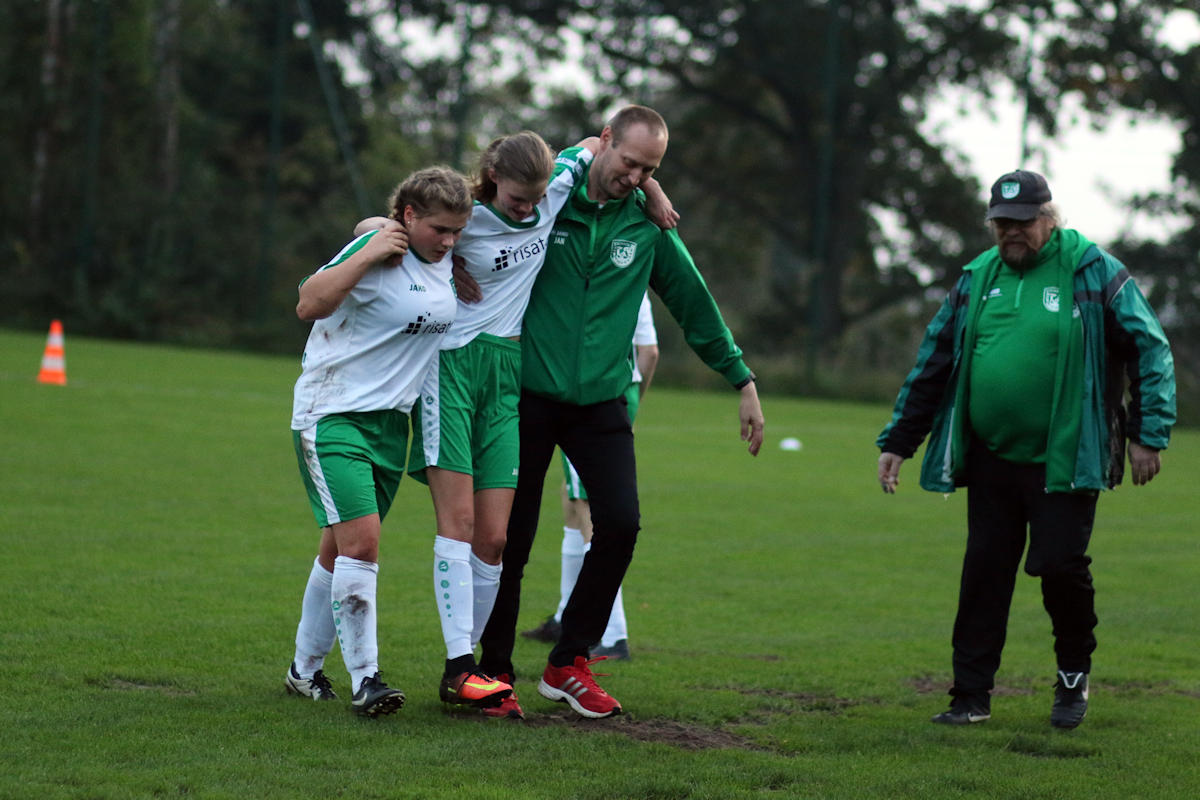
[{"x": 1088, "y": 170}]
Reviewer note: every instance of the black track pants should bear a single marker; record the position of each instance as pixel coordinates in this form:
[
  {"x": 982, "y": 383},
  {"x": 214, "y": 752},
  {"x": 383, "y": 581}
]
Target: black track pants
[
  {"x": 598, "y": 439},
  {"x": 1004, "y": 500}
]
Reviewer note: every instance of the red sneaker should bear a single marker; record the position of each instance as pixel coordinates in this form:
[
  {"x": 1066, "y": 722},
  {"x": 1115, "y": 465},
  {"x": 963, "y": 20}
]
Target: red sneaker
[
  {"x": 576, "y": 686},
  {"x": 509, "y": 707},
  {"x": 473, "y": 689}
]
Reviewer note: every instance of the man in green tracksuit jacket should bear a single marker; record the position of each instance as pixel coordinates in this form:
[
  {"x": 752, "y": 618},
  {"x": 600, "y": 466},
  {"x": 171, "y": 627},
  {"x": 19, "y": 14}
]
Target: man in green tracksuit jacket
[
  {"x": 602, "y": 254},
  {"x": 1020, "y": 383}
]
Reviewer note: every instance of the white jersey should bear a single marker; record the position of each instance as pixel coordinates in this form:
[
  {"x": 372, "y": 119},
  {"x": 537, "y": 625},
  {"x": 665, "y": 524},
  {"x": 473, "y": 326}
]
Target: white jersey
[
  {"x": 373, "y": 352},
  {"x": 644, "y": 333},
  {"x": 504, "y": 257}
]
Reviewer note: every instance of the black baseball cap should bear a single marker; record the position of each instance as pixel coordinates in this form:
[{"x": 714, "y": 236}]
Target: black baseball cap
[{"x": 1018, "y": 195}]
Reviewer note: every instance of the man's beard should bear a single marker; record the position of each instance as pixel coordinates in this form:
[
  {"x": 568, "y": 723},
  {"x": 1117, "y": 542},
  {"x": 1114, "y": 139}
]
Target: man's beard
[{"x": 1026, "y": 261}]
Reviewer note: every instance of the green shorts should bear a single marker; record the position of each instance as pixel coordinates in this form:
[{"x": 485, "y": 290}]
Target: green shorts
[
  {"x": 575, "y": 490},
  {"x": 352, "y": 463},
  {"x": 466, "y": 420}
]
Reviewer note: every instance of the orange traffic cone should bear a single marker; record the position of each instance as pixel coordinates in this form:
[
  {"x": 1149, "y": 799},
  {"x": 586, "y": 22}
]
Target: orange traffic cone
[{"x": 54, "y": 365}]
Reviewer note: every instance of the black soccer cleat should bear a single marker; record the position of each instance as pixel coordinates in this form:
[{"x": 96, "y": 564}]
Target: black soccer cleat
[
  {"x": 375, "y": 698},
  {"x": 618, "y": 652},
  {"x": 1070, "y": 699},
  {"x": 549, "y": 631},
  {"x": 965, "y": 710}
]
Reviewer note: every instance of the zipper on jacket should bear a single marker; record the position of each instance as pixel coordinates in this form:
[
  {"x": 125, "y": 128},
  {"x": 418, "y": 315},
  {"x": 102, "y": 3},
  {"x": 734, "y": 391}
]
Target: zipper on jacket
[{"x": 583, "y": 306}]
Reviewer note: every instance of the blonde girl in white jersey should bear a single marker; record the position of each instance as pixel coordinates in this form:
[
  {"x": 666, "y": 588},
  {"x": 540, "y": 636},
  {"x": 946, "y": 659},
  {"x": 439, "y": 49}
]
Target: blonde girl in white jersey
[{"x": 379, "y": 309}]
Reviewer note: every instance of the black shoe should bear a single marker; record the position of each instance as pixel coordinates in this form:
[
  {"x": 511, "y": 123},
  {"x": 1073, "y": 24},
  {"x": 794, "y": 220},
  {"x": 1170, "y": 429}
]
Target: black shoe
[
  {"x": 965, "y": 710},
  {"x": 618, "y": 652},
  {"x": 1070, "y": 699},
  {"x": 375, "y": 698},
  {"x": 548, "y": 631},
  {"x": 318, "y": 687}
]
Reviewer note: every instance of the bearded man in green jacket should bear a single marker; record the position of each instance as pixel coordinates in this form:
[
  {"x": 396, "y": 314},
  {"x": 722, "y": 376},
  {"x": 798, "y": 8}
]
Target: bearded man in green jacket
[
  {"x": 1021, "y": 384},
  {"x": 602, "y": 254}
]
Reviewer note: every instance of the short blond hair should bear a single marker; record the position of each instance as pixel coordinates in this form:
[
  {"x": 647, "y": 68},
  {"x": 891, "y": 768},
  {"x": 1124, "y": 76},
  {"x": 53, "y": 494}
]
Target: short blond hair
[
  {"x": 429, "y": 191},
  {"x": 635, "y": 115}
]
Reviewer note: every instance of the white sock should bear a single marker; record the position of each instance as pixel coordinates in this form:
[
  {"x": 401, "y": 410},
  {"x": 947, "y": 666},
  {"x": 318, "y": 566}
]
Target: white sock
[
  {"x": 354, "y": 614},
  {"x": 452, "y": 583},
  {"x": 573, "y": 551},
  {"x": 315, "y": 633},
  {"x": 616, "y": 629},
  {"x": 486, "y": 580}
]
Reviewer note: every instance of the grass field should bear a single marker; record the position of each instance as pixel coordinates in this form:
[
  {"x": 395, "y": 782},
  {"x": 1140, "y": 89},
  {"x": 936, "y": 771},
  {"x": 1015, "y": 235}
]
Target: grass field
[{"x": 790, "y": 622}]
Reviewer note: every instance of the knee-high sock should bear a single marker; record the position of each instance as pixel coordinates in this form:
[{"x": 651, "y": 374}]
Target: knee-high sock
[
  {"x": 315, "y": 633},
  {"x": 573, "y": 551},
  {"x": 452, "y": 583},
  {"x": 486, "y": 580},
  {"x": 616, "y": 629},
  {"x": 354, "y": 615}
]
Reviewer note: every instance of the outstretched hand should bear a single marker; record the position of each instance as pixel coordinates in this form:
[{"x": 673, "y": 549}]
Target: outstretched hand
[
  {"x": 889, "y": 471},
  {"x": 751, "y": 416}
]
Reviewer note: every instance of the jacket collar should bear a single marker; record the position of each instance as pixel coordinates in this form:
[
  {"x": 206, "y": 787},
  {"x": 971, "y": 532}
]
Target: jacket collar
[{"x": 583, "y": 204}]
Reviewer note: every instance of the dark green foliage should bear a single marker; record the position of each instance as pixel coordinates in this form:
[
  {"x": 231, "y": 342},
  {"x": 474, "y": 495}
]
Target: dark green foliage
[
  {"x": 153, "y": 218},
  {"x": 153, "y": 193}
]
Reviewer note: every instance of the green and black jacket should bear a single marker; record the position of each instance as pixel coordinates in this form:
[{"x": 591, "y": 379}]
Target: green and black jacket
[{"x": 1117, "y": 380}]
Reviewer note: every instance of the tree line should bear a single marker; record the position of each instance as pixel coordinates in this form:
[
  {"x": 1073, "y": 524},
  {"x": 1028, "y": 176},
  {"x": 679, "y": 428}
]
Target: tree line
[{"x": 180, "y": 165}]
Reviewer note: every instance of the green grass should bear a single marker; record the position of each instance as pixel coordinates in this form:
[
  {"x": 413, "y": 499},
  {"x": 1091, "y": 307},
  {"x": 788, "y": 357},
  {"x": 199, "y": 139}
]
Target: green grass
[{"x": 790, "y": 622}]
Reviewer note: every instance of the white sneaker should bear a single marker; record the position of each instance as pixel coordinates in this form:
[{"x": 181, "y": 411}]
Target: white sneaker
[{"x": 317, "y": 687}]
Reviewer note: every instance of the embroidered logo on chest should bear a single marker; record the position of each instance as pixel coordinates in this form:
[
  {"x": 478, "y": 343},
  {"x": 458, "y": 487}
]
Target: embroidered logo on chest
[
  {"x": 622, "y": 252},
  {"x": 1050, "y": 298}
]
